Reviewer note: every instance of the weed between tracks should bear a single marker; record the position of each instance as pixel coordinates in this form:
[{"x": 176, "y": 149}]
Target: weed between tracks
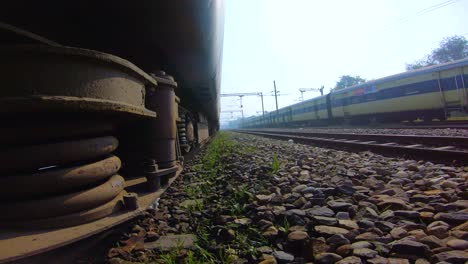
[{"x": 220, "y": 198}]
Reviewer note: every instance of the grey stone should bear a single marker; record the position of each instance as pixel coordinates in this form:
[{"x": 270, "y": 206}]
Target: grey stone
[
  {"x": 432, "y": 241},
  {"x": 361, "y": 244},
  {"x": 263, "y": 199},
  {"x": 454, "y": 256},
  {"x": 449, "y": 184},
  {"x": 327, "y": 258},
  {"x": 318, "y": 245},
  {"x": 455, "y": 218},
  {"x": 367, "y": 236},
  {"x": 378, "y": 260},
  {"x": 401, "y": 174},
  {"x": 320, "y": 211},
  {"x": 243, "y": 221},
  {"x": 169, "y": 242},
  {"x": 299, "y": 188},
  {"x": 266, "y": 259},
  {"x": 365, "y": 253},
  {"x": 407, "y": 214},
  {"x": 308, "y": 190},
  {"x": 297, "y": 236},
  {"x": 348, "y": 224},
  {"x": 337, "y": 240},
  {"x": 346, "y": 189},
  {"x": 271, "y": 232},
  {"x": 298, "y": 212},
  {"x": 117, "y": 261},
  {"x": 393, "y": 204},
  {"x": 422, "y": 261},
  {"x": 398, "y": 233},
  {"x": 323, "y": 220},
  {"x": 406, "y": 246},
  {"x": 339, "y": 206},
  {"x": 344, "y": 250},
  {"x": 438, "y": 229},
  {"x": 343, "y": 215},
  {"x": 330, "y": 230},
  {"x": 264, "y": 249},
  {"x": 350, "y": 260},
  {"x": 398, "y": 261},
  {"x": 385, "y": 226},
  {"x": 458, "y": 244},
  {"x": 364, "y": 223},
  {"x": 283, "y": 257}
]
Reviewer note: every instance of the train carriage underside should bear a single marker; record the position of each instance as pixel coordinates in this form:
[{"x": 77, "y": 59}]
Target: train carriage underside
[{"x": 100, "y": 100}]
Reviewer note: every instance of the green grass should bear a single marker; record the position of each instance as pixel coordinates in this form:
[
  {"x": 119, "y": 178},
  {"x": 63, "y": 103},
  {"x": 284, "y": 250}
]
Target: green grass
[
  {"x": 285, "y": 227},
  {"x": 275, "y": 164},
  {"x": 212, "y": 177},
  {"x": 168, "y": 258}
]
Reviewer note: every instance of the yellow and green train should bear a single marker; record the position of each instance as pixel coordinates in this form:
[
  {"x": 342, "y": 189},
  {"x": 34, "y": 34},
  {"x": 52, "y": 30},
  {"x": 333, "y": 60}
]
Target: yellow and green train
[{"x": 428, "y": 93}]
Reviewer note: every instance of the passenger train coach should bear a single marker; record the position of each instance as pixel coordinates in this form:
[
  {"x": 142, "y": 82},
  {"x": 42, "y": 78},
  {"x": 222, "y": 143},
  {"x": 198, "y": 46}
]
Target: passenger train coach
[{"x": 427, "y": 93}]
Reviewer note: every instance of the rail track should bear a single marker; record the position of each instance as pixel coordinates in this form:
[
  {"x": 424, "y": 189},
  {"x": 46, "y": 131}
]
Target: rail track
[
  {"x": 454, "y": 124},
  {"x": 433, "y": 148},
  {"x": 457, "y": 124}
]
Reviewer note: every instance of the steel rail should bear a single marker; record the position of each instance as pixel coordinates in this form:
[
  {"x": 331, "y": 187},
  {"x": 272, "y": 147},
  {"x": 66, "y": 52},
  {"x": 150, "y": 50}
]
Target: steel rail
[
  {"x": 459, "y": 142},
  {"x": 412, "y": 151}
]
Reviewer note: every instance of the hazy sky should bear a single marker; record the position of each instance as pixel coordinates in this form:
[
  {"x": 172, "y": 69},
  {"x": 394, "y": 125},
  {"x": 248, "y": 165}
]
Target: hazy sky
[{"x": 310, "y": 43}]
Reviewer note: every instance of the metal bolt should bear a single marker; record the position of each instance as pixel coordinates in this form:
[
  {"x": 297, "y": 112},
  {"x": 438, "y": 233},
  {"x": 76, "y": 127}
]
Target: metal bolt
[
  {"x": 153, "y": 183},
  {"x": 131, "y": 201}
]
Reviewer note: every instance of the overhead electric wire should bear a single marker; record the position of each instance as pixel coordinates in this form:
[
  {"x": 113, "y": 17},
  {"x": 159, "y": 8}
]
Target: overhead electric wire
[{"x": 420, "y": 13}]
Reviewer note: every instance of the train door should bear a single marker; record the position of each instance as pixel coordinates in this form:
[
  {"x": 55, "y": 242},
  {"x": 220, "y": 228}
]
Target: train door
[
  {"x": 329, "y": 106},
  {"x": 462, "y": 89},
  {"x": 346, "y": 104},
  {"x": 290, "y": 114},
  {"x": 316, "y": 109},
  {"x": 452, "y": 97}
]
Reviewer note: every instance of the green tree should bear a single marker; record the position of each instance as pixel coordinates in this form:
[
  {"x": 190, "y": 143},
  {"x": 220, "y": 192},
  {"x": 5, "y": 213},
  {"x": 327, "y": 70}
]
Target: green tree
[
  {"x": 347, "y": 81},
  {"x": 450, "y": 49},
  {"x": 419, "y": 64}
]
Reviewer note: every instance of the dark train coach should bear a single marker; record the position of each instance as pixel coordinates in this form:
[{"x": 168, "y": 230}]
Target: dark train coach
[{"x": 99, "y": 102}]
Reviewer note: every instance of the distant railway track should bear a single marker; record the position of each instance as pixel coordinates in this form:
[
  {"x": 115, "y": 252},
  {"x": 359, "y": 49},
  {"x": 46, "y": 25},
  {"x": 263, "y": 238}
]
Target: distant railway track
[
  {"x": 456, "y": 124},
  {"x": 434, "y": 148},
  {"x": 459, "y": 124}
]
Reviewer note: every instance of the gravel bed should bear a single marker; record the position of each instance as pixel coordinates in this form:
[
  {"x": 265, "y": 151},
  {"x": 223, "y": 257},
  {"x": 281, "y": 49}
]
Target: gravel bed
[
  {"x": 270, "y": 201},
  {"x": 454, "y": 132}
]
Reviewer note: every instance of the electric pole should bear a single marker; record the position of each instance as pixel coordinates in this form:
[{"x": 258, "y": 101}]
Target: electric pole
[
  {"x": 276, "y": 99},
  {"x": 263, "y": 108},
  {"x": 231, "y": 112},
  {"x": 240, "y": 95},
  {"x": 276, "y": 96},
  {"x": 303, "y": 90}
]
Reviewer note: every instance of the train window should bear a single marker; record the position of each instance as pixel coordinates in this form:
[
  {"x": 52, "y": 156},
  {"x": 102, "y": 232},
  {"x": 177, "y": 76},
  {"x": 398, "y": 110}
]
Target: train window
[
  {"x": 371, "y": 97},
  {"x": 348, "y": 101},
  {"x": 411, "y": 90},
  {"x": 447, "y": 84},
  {"x": 459, "y": 81},
  {"x": 356, "y": 100},
  {"x": 387, "y": 93}
]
